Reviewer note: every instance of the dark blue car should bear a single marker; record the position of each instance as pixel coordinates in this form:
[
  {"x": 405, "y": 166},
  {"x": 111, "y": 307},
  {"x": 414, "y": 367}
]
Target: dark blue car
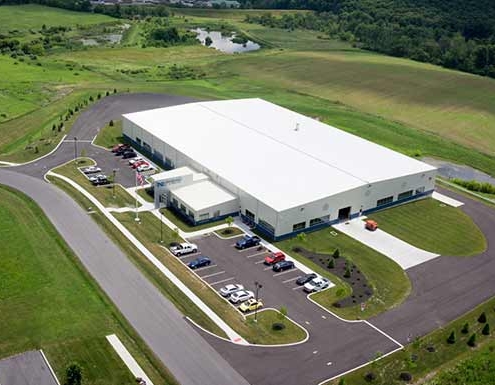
[
  {"x": 199, "y": 262},
  {"x": 247, "y": 241}
]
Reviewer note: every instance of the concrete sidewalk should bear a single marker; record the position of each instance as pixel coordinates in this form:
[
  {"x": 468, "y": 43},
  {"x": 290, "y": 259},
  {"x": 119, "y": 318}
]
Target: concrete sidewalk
[
  {"x": 445, "y": 199},
  {"x": 401, "y": 252}
]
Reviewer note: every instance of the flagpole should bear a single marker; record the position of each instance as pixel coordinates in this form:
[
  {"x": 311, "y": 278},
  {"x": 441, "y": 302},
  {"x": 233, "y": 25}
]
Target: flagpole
[{"x": 136, "y": 192}]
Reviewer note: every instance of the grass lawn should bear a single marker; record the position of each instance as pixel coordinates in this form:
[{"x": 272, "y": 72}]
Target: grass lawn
[
  {"x": 143, "y": 194},
  {"x": 103, "y": 193},
  {"x": 387, "y": 292},
  {"x": 49, "y": 301},
  {"x": 148, "y": 232},
  {"x": 172, "y": 216},
  {"x": 263, "y": 326},
  {"x": 445, "y": 357},
  {"x": 432, "y": 226},
  {"x": 109, "y": 135},
  {"x": 229, "y": 232}
]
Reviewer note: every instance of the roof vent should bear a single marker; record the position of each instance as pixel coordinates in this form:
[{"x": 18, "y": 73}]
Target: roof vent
[{"x": 297, "y": 127}]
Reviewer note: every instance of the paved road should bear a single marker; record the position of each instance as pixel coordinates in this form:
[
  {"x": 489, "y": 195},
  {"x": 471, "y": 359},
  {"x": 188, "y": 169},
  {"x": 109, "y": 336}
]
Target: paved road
[
  {"x": 176, "y": 343},
  {"x": 442, "y": 289}
]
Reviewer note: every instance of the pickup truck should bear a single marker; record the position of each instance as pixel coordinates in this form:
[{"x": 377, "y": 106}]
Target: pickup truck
[
  {"x": 247, "y": 241},
  {"x": 273, "y": 258},
  {"x": 183, "y": 248}
]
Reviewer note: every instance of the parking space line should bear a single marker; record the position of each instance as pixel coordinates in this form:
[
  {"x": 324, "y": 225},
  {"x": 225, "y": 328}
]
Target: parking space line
[
  {"x": 268, "y": 268},
  {"x": 247, "y": 249},
  {"x": 254, "y": 255},
  {"x": 212, "y": 275},
  {"x": 258, "y": 262},
  {"x": 204, "y": 268},
  {"x": 283, "y": 272},
  {"x": 222, "y": 281},
  {"x": 297, "y": 288},
  {"x": 291, "y": 279},
  {"x": 188, "y": 255}
]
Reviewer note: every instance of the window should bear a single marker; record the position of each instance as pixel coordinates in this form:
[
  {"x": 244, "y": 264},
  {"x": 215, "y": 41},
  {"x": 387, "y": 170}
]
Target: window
[
  {"x": 183, "y": 208},
  {"x": 216, "y": 214},
  {"x": 175, "y": 202},
  {"x": 405, "y": 194},
  {"x": 138, "y": 140},
  {"x": 190, "y": 214},
  {"x": 299, "y": 226},
  {"x": 420, "y": 190},
  {"x": 317, "y": 221},
  {"x": 204, "y": 217},
  {"x": 249, "y": 214},
  {"x": 266, "y": 225},
  {"x": 384, "y": 201}
]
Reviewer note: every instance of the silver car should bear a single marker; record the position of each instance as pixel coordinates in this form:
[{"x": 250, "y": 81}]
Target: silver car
[
  {"x": 228, "y": 290},
  {"x": 241, "y": 296}
]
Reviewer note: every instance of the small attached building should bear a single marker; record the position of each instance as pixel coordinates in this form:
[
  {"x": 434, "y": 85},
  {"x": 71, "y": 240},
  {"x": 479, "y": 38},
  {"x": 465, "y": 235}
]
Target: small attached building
[{"x": 286, "y": 172}]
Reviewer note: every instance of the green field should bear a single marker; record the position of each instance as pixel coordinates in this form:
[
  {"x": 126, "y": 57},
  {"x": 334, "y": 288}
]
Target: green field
[
  {"x": 48, "y": 301},
  {"x": 387, "y": 293},
  {"x": 434, "y": 227},
  {"x": 109, "y": 135}
]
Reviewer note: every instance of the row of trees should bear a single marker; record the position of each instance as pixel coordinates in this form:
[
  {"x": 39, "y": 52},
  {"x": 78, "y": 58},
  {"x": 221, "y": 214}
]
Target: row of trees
[{"x": 455, "y": 34}]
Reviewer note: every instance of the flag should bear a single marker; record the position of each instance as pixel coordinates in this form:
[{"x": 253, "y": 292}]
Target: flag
[{"x": 140, "y": 178}]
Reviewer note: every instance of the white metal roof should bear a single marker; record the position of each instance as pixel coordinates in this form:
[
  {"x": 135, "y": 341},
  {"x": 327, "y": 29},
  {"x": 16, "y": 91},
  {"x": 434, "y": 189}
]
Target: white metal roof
[
  {"x": 202, "y": 195},
  {"x": 281, "y": 157}
]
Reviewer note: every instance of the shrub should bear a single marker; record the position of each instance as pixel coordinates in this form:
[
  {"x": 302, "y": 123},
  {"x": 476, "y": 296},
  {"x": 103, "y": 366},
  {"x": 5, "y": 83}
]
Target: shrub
[
  {"x": 347, "y": 273},
  {"x": 465, "y": 328},
  {"x": 110, "y": 123},
  {"x": 342, "y": 381},
  {"x": 482, "y": 318},
  {"x": 73, "y": 375},
  {"x": 405, "y": 376},
  {"x": 472, "y": 340},
  {"x": 331, "y": 263},
  {"x": 277, "y": 326},
  {"x": 451, "y": 339},
  {"x": 370, "y": 376},
  {"x": 336, "y": 253},
  {"x": 486, "y": 330}
]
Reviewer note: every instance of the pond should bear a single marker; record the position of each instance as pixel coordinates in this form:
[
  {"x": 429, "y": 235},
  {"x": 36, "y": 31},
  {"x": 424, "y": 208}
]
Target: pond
[
  {"x": 451, "y": 170},
  {"x": 224, "y": 43}
]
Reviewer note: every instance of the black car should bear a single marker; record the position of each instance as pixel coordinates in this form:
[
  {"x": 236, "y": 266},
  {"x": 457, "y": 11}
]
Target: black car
[
  {"x": 121, "y": 150},
  {"x": 306, "y": 278},
  {"x": 283, "y": 265},
  {"x": 129, "y": 155},
  {"x": 199, "y": 262}
]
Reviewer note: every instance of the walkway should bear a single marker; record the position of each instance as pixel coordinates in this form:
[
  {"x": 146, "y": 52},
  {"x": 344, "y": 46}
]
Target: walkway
[
  {"x": 445, "y": 199},
  {"x": 401, "y": 252}
]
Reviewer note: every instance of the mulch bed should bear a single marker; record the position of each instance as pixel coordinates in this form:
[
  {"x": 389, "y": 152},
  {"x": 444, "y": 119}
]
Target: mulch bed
[{"x": 361, "y": 290}]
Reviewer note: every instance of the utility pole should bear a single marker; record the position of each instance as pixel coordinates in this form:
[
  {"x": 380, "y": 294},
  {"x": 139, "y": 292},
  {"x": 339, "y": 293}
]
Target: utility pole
[
  {"x": 114, "y": 172},
  {"x": 75, "y": 150},
  {"x": 258, "y": 287},
  {"x": 161, "y": 226}
]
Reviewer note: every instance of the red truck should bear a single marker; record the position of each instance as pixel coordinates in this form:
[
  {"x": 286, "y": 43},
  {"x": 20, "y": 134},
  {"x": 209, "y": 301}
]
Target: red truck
[{"x": 274, "y": 258}]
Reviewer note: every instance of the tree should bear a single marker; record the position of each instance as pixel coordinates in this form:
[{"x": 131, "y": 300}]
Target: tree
[
  {"x": 472, "y": 340},
  {"x": 347, "y": 273},
  {"x": 482, "y": 318},
  {"x": 486, "y": 330},
  {"x": 342, "y": 381},
  {"x": 451, "y": 340},
  {"x": 110, "y": 123},
  {"x": 229, "y": 221},
  {"x": 301, "y": 237},
  {"x": 208, "y": 41},
  {"x": 73, "y": 375},
  {"x": 465, "y": 328},
  {"x": 331, "y": 263},
  {"x": 336, "y": 253}
]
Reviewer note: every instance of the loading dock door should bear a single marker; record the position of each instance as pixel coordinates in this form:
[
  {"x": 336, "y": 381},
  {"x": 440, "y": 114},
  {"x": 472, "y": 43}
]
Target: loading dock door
[{"x": 344, "y": 213}]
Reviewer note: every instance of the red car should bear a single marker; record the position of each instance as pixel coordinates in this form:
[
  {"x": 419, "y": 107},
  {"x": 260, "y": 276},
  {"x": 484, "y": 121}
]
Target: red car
[
  {"x": 139, "y": 163},
  {"x": 274, "y": 258},
  {"x": 119, "y": 146}
]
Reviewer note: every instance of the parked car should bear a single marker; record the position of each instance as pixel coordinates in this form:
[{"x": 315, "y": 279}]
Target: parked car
[
  {"x": 228, "y": 290},
  {"x": 145, "y": 167},
  {"x": 139, "y": 163},
  {"x": 129, "y": 155},
  {"x": 134, "y": 160},
  {"x": 183, "y": 248},
  {"x": 91, "y": 170},
  {"x": 250, "y": 305},
  {"x": 247, "y": 241},
  {"x": 120, "y": 146},
  {"x": 274, "y": 258},
  {"x": 99, "y": 180},
  {"x": 241, "y": 296},
  {"x": 316, "y": 284},
  {"x": 123, "y": 149},
  {"x": 305, "y": 279},
  {"x": 283, "y": 265},
  {"x": 370, "y": 224},
  {"x": 199, "y": 262}
]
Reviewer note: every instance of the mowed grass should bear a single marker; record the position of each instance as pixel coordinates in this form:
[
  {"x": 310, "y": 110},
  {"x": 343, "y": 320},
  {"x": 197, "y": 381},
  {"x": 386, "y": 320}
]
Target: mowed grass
[
  {"x": 48, "y": 301},
  {"x": 109, "y": 135},
  {"x": 387, "y": 293},
  {"x": 32, "y": 16},
  {"x": 433, "y": 226},
  {"x": 183, "y": 225}
]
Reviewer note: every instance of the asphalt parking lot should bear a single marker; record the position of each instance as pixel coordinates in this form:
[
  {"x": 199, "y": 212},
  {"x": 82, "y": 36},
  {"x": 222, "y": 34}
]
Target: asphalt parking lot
[{"x": 245, "y": 267}]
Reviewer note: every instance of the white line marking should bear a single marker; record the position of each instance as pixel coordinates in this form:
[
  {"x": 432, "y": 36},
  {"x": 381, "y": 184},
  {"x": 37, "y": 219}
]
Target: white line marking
[
  {"x": 297, "y": 288},
  {"x": 222, "y": 281},
  {"x": 204, "y": 268},
  {"x": 258, "y": 262},
  {"x": 254, "y": 255},
  {"x": 291, "y": 279},
  {"x": 283, "y": 272},
  {"x": 329, "y": 363},
  {"x": 188, "y": 255},
  {"x": 212, "y": 275}
]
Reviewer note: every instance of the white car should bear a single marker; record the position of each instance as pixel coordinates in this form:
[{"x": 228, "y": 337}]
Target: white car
[
  {"x": 145, "y": 167},
  {"x": 184, "y": 248},
  {"x": 91, "y": 169},
  {"x": 316, "y": 284},
  {"x": 241, "y": 296},
  {"x": 134, "y": 160},
  {"x": 226, "y": 291}
]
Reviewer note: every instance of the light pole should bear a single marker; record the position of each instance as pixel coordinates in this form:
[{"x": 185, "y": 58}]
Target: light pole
[
  {"x": 114, "y": 172},
  {"x": 161, "y": 226},
  {"x": 75, "y": 150},
  {"x": 258, "y": 287}
]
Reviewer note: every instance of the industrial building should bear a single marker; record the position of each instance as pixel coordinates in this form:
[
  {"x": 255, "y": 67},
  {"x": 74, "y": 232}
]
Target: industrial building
[{"x": 282, "y": 171}]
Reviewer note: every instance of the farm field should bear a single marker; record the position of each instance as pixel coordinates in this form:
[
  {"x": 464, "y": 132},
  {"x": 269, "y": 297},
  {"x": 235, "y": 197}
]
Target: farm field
[{"x": 50, "y": 302}]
